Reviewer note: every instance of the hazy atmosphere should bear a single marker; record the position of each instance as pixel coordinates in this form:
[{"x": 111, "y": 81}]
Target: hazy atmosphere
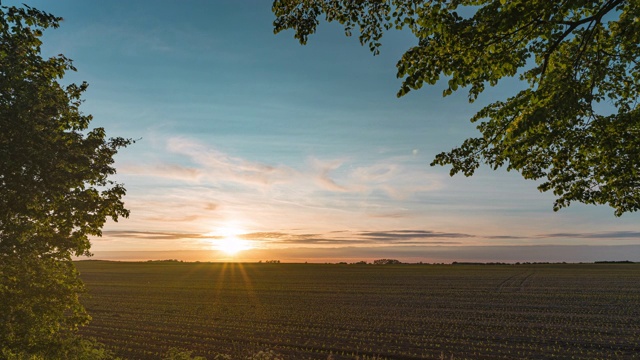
[{"x": 297, "y": 153}]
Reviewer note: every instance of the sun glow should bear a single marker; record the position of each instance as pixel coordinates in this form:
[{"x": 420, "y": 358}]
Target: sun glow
[
  {"x": 232, "y": 245},
  {"x": 229, "y": 242}
]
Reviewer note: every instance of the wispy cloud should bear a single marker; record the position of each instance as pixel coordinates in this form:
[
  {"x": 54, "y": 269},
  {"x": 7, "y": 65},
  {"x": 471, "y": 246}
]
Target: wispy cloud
[
  {"x": 390, "y": 215},
  {"x": 322, "y": 174},
  {"x": 351, "y": 238},
  {"x": 506, "y": 237},
  {"x": 215, "y": 164},
  {"x": 398, "y": 235},
  {"x": 596, "y": 235},
  {"x": 276, "y": 236},
  {"x": 336, "y": 239},
  {"x": 169, "y": 171},
  {"x": 152, "y": 235},
  {"x": 298, "y": 239},
  {"x": 173, "y": 218},
  {"x": 208, "y": 165}
]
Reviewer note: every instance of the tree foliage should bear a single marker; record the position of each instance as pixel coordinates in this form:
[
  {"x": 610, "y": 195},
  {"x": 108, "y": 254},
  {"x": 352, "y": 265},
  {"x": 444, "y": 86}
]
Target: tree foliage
[
  {"x": 55, "y": 190},
  {"x": 576, "y": 127}
]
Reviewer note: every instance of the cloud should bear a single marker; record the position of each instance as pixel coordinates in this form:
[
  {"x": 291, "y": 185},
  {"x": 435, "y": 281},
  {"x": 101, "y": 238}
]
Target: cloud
[
  {"x": 210, "y": 206},
  {"x": 282, "y": 238},
  {"x": 169, "y": 171},
  {"x": 218, "y": 166},
  {"x": 395, "y": 178},
  {"x": 505, "y": 237},
  {"x": 326, "y": 241},
  {"x": 323, "y": 174},
  {"x": 390, "y": 215},
  {"x": 350, "y": 238},
  {"x": 377, "y": 173},
  {"x": 202, "y": 164},
  {"x": 399, "y": 235},
  {"x": 180, "y": 219},
  {"x": 600, "y": 235},
  {"x": 273, "y": 236},
  {"x": 151, "y": 235}
]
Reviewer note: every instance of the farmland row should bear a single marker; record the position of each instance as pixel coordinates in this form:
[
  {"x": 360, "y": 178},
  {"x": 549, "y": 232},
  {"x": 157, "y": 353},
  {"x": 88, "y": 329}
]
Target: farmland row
[{"x": 404, "y": 311}]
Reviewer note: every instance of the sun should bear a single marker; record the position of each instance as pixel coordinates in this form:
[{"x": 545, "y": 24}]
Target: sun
[
  {"x": 229, "y": 242},
  {"x": 231, "y": 245}
]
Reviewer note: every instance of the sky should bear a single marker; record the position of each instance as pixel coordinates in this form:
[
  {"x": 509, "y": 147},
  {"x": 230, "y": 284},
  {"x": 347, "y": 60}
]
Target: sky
[{"x": 297, "y": 153}]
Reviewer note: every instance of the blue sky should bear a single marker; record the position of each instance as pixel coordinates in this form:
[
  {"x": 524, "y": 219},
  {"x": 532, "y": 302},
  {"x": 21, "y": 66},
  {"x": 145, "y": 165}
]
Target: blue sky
[{"x": 302, "y": 151}]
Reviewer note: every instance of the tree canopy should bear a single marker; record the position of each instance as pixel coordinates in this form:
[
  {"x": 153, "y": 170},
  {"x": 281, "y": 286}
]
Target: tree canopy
[
  {"x": 576, "y": 126},
  {"x": 55, "y": 190}
]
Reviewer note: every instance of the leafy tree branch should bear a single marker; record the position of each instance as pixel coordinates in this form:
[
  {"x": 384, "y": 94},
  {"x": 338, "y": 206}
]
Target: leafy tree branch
[{"x": 576, "y": 126}]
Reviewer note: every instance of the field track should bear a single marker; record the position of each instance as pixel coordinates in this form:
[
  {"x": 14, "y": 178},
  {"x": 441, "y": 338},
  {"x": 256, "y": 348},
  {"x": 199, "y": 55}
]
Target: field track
[{"x": 311, "y": 311}]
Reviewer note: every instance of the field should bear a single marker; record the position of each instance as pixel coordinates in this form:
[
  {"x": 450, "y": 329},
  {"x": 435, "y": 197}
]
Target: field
[{"x": 316, "y": 311}]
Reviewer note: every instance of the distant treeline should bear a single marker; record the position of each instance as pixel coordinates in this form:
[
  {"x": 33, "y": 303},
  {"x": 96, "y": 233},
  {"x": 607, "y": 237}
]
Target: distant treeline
[
  {"x": 397, "y": 262},
  {"x": 505, "y": 263}
]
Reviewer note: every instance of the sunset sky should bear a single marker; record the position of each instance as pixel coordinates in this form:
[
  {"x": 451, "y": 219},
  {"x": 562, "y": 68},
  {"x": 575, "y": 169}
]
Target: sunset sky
[{"x": 302, "y": 152}]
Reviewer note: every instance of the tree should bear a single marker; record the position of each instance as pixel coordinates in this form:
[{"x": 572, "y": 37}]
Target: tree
[
  {"x": 55, "y": 191},
  {"x": 577, "y": 124},
  {"x": 386, "y": 262}
]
